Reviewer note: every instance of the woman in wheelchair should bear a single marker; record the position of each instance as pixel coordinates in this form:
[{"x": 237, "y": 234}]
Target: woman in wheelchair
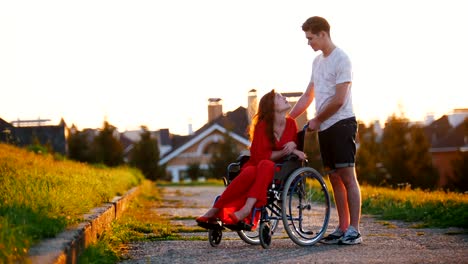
[{"x": 274, "y": 136}]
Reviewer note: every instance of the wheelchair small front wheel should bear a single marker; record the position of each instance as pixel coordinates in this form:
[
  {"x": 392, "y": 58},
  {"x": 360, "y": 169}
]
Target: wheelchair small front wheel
[
  {"x": 265, "y": 233},
  {"x": 214, "y": 236}
]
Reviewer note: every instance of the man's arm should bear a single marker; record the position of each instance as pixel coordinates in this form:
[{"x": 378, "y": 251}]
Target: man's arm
[
  {"x": 332, "y": 107},
  {"x": 304, "y": 101}
]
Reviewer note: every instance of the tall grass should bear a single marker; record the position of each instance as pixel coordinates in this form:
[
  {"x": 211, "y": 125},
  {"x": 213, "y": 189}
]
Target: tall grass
[
  {"x": 425, "y": 208},
  {"x": 40, "y": 196},
  {"x": 429, "y": 208}
]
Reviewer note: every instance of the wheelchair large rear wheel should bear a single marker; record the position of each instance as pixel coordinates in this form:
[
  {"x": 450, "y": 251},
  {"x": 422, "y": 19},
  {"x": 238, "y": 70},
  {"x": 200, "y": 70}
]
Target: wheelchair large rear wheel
[{"x": 306, "y": 206}]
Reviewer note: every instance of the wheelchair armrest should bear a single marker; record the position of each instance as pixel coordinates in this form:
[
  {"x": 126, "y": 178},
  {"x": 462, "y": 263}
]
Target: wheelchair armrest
[{"x": 243, "y": 158}]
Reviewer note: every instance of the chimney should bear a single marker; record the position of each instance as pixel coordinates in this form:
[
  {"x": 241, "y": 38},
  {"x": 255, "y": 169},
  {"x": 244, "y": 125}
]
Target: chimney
[
  {"x": 252, "y": 104},
  {"x": 190, "y": 127},
  {"x": 215, "y": 108}
]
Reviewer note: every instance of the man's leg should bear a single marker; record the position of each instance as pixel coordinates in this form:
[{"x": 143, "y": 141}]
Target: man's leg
[
  {"x": 349, "y": 179},
  {"x": 341, "y": 200}
]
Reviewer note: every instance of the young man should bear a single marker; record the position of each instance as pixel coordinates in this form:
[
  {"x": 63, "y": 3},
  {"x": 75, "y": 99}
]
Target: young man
[{"x": 330, "y": 85}]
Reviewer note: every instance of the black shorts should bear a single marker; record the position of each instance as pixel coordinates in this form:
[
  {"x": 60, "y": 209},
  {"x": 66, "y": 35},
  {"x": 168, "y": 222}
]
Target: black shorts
[{"x": 338, "y": 145}]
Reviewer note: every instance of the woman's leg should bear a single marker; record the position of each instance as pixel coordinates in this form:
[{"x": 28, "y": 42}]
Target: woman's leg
[
  {"x": 235, "y": 191},
  {"x": 263, "y": 179},
  {"x": 258, "y": 190},
  {"x": 238, "y": 188},
  {"x": 246, "y": 209}
]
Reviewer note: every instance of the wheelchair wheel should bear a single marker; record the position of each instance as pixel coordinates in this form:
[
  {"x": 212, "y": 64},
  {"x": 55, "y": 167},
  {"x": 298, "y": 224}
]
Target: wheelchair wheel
[
  {"x": 249, "y": 237},
  {"x": 214, "y": 236},
  {"x": 265, "y": 233},
  {"x": 252, "y": 237},
  {"x": 306, "y": 206}
]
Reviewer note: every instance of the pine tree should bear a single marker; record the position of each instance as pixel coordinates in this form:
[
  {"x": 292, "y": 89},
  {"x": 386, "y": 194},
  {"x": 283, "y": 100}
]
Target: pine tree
[
  {"x": 420, "y": 171},
  {"x": 194, "y": 171},
  {"x": 145, "y": 155},
  {"x": 405, "y": 154},
  {"x": 368, "y": 161},
  {"x": 79, "y": 148},
  {"x": 394, "y": 149},
  {"x": 107, "y": 148}
]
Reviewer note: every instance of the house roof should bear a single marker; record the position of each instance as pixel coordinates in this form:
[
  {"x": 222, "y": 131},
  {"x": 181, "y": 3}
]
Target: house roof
[
  {"x": 446, "y": 138},
  {"x": 235, "y": 121},
  {"x": 4, "y": 124}
]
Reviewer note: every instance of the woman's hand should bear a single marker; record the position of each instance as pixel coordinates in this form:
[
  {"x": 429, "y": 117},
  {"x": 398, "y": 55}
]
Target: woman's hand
[{"x": 289, "y": 147}]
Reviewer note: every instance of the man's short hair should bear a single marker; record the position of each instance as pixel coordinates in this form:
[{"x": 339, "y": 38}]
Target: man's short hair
[{"x": 316, "y": 24}]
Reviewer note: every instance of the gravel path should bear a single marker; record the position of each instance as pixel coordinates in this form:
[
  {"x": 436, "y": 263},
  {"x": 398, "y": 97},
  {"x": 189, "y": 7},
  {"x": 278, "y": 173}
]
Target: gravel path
[{"x": 384, "y": 241}]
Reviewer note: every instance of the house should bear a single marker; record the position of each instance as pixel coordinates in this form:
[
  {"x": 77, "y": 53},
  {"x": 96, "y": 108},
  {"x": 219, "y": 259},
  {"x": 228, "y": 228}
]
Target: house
[
  {"x": 26, "y": 132},
  {"x": 196, "y": 148},
  {"x": 6, "y": 131},
  {"x": 449, "y": 138}
]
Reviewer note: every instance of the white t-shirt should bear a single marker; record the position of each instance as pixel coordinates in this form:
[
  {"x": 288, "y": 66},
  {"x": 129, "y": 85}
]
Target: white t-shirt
[{"x": 327, "y": 72}]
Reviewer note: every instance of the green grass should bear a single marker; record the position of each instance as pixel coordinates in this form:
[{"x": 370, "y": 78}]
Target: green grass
[
  {"x": 424, "y": 208},
  {"x": 41, "y": 195},
  {"x": 430, "y": 208}
]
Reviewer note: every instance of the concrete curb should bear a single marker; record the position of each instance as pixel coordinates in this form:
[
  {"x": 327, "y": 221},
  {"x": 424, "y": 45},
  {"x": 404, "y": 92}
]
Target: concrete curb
[{"x": 68, "y": 245}]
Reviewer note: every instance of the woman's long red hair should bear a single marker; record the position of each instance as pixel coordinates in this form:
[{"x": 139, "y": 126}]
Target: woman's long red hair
[{"x": 266, "y": 113}]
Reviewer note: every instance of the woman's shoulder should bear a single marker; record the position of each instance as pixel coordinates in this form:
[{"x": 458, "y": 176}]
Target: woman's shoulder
[{"x": 291, "y": 122}]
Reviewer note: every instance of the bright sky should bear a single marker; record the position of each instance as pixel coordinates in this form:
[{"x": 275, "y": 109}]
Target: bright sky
[{"x": 156, "y": 63}]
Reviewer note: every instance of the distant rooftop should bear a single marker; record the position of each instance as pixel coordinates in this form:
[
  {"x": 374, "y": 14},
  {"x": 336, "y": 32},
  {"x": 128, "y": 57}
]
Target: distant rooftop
[{"x": 33, "y": 122}]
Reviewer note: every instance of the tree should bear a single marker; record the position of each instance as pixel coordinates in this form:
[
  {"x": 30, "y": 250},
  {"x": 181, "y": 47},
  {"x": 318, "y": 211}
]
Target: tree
[
  {"x": 194, "y": 171},
  {"x": 222, "y": 154},
  {"x": 393, "y": 151},
  {"x": 420, "y": 171},
  {"x": 79, "y": 148},
  {"x": 405, "y": 154},
  {"x": 107, "y": 149},
  {"x": 145, "y": 155},
  {"x": 368, "y": 161}
]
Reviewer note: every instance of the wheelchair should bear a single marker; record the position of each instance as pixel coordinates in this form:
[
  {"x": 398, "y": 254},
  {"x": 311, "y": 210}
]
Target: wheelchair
[{"x": 298, "y": 197}]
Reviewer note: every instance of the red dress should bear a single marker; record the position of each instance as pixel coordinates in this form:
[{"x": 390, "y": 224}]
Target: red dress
[{"x": 256, "y": 175}]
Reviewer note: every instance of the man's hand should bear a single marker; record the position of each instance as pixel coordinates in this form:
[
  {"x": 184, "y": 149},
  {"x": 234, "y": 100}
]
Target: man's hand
[
  {"x": 314, "y": 124},
  {"x": 301, "y": 155}
]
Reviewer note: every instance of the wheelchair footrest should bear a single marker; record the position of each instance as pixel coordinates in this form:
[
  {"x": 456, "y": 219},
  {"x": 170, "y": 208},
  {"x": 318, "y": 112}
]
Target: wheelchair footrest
[
  {"x": 211, "y": 225},
  {"x": 240, "y": 226}
]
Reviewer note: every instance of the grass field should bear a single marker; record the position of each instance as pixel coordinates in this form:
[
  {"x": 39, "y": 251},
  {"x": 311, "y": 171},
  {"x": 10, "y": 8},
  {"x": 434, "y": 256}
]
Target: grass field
[
  {"x": 40, "y": 196},
  {"x": 425, "y": 208}
]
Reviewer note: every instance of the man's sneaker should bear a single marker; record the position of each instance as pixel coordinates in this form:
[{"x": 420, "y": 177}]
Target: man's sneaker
[
  {"x": 351, "y": 237},
  {"x": 333, "y": 238}
]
